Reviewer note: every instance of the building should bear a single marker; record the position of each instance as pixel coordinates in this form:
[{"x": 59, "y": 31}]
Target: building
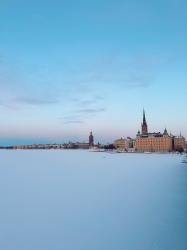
[
  {"x": 125, "y": 144},
  {"x": 121, "y": 144},
  {"x": 91, "y": 139},
  {"x": 82, "y": 145},
  {"x": 179, "y": 143},
  {"x": 153, "y": 142}
]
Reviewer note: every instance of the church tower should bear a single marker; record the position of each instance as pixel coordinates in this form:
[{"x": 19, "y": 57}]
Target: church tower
[
  {"x": 91, "y": 140},
  {"x": 144, "y": 125}
]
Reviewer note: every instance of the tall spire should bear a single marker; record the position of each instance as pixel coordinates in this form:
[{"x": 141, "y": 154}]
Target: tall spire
[
  {"x": 144, "y": 124},
  {"x": 144, "y": 119}
]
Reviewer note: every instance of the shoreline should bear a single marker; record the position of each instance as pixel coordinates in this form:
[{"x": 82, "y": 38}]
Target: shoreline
[{"x": 12, "y": 148}]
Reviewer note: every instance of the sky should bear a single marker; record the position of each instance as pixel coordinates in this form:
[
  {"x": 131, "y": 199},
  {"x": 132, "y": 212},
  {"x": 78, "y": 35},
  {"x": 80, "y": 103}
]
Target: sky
[{"x": 68, "y": 67}]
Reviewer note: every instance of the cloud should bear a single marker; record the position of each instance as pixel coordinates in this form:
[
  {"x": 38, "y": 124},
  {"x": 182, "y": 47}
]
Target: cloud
[
  {"x": 139, "y": 81},
  {"x": 139, "y": 85},
  {"x": 139, "y": 71},
  {"x": 73, "y": 122},
  {"x": 20, "y": 86},
  {"x": 19, "y": 102},
  {"x": 81, "y": 115},
  {"x": 72, "y": 119},
  {"x": 36, "y": 100},
  {"x": 91, "y": 110},
  {"x": 94, "y": 100}
]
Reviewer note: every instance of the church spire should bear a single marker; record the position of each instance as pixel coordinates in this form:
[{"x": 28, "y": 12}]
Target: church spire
[
  {"x": 144, "y": 119},
  {"x": 144, "y": 124}
]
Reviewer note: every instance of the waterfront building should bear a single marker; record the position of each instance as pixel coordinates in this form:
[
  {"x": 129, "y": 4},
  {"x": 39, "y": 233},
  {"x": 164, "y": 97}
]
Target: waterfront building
[
  {"x": 179, "y": 143},
  {"x": 153, "y": 142},
  {"x": 82, "y": 145},
  {"x": 125, "y": 144},
  {"x": 121, "y": 144}
]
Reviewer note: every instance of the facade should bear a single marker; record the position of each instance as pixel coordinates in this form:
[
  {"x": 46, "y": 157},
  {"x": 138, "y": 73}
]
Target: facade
[
  {"x": 153, "y": 142},
  {"x": 82, "y": 145},
  {"x": 179, "y": 143},
  {"x": 132, "y": 143},
  {"x": 121, "y": 144},
  {"x": 125, "y": 144}
]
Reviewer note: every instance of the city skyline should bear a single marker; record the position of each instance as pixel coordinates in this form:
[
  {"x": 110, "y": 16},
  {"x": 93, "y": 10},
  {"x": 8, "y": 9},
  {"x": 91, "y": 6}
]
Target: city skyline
[
  {"x": 143, "y": 130},
  {"x": 65, "y": 71},
  {"x": 144, "y": 141}
]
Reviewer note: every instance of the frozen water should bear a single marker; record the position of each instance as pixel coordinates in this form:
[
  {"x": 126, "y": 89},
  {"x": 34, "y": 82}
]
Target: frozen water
[{"x": 80, "y": 200}]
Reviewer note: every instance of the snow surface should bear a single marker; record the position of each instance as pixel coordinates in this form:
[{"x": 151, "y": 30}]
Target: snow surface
[{"x": 80, "y": 200}]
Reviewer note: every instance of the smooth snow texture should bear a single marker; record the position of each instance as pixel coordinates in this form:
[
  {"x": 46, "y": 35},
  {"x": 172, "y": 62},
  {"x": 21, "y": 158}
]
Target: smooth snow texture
[{"x": 80, "y": 200}]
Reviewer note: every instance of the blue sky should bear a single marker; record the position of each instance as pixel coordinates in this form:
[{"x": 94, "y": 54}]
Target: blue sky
[{"x": 67, "y": 67}]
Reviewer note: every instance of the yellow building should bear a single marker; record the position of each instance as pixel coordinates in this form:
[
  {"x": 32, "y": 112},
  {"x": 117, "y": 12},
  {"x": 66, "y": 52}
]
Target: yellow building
[
  {"x": 122, "y": 144},
  {"x": 179, "y": 143},
  {"x": 153, "y": 142}
]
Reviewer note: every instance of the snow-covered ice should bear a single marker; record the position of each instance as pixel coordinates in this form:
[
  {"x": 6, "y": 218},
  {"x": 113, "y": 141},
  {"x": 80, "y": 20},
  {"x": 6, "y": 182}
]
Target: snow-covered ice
[{"x": 80, "y": 200}]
